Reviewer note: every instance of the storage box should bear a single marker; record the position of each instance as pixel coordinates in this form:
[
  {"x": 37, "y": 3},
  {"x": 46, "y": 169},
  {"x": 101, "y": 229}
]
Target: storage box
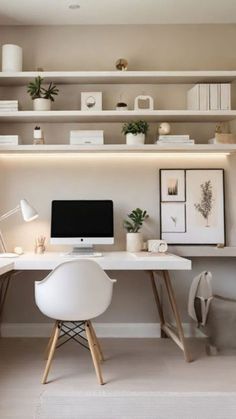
[
  {"x": 9, "y": 140},
  {"x": 81, "y": 137}
]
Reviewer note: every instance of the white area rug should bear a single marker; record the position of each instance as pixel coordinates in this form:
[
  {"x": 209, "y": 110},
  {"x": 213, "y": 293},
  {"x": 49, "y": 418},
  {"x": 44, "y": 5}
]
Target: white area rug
[{"x": 137, "y": 405}]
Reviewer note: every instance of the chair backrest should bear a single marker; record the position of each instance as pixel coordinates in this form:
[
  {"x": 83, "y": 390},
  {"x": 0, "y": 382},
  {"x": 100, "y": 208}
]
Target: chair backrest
[{"x": 74, "y": 290}]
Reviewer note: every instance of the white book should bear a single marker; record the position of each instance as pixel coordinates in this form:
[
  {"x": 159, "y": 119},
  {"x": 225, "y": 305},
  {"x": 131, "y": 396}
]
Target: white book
[
  {"x": 9, "y": 101},
  {"x": 225, "y": 96},
  {"x": 214, "y": 96},
  {"x": 8, "y": 110},
  {"x": 204, "y": 97},
  {"x": 174, "y": 137},
  {"x": 193, "y": 98},
  {"x": 173, "y": 143}
]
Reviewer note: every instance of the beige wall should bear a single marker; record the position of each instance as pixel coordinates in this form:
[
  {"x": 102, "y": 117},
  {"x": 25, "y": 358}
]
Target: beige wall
[{"x": 128, "y": 180}]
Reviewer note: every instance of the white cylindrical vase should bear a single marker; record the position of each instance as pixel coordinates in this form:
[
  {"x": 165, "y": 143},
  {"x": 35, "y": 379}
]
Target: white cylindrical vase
[
  {"x": 41, "y": 104},
  {"x": 134, "y": 242},
  {"x": 137, "y": 139},
  {"x": 12, "y": 58}
]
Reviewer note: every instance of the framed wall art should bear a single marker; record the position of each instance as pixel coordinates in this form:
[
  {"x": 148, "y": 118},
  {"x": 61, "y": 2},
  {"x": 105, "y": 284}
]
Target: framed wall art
[
  {"x": 172, "y": 185},
  {"x": 200, "y": 218},
  {"x": 91, "y": 101}
]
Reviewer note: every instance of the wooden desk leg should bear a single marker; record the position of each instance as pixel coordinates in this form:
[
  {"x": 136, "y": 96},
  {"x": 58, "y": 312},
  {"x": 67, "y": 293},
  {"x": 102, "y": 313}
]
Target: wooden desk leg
[
  {"x": 158, "y": 303},
  {"x": 4, "y": 285},
  {"x": 179, "y": 336}
]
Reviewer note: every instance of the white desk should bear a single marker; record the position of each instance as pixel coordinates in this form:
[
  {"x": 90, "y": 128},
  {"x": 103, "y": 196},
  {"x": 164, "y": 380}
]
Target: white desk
[
  {"x": 109, "y": 261},
  {"x": 158, "y": 266}
]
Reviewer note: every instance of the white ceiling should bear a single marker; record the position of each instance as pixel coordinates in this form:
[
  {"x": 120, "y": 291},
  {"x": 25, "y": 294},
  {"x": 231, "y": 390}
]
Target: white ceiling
[{"x": 57, "y": 12}]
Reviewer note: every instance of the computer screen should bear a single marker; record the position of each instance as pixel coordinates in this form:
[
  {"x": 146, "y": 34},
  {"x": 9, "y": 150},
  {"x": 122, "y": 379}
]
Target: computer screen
[{"x": 82, "y": 222}]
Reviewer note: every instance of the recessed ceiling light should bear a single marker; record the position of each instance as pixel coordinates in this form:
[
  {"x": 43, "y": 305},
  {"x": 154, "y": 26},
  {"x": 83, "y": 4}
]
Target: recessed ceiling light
[{"x": 74, "y": 6}]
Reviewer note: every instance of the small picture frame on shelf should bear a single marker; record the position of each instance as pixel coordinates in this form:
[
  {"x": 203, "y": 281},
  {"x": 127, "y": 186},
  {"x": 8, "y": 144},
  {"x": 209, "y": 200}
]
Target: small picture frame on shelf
[
  {"x": 91, "y": 101},
  {"x": 200, "y": 218}
]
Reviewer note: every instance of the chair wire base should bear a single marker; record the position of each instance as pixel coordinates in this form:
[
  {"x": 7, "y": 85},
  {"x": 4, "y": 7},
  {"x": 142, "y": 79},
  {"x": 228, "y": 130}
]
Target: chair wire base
[{"x": 72, "y": 330}]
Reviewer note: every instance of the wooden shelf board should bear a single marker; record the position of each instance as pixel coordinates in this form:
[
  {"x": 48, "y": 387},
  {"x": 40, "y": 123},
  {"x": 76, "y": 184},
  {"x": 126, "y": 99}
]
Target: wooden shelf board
[
  {"x": 119, "y": 77},
  {"x": 117, "y": 116},
  {"x": 203, "y": 251},
  {"x": 117, "y": 148}
]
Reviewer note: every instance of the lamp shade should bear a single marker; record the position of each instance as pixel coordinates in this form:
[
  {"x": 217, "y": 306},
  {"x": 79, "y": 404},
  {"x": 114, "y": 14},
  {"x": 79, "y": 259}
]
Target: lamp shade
[{"x": 27, "y": 211}]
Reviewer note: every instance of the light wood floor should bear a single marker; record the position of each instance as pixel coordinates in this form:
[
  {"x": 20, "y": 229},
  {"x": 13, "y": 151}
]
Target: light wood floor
[{"x": 131, "y": 364}]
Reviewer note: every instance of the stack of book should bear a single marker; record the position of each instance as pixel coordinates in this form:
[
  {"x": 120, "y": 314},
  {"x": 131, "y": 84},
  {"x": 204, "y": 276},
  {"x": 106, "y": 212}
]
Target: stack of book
[
  {"x": 8, "y": 105},
  {"x": 209, "y": 97},
  {"x": 9, "y": 140},
  {"x": 174, "y": 140}
]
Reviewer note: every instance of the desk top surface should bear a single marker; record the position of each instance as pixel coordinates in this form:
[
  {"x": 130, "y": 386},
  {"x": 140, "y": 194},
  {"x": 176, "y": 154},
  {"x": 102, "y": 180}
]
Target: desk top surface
[{"x": 108, "y": 260}]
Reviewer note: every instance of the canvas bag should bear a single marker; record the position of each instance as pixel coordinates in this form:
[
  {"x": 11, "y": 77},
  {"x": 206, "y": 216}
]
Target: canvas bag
[{"x": 215, "y": 315}]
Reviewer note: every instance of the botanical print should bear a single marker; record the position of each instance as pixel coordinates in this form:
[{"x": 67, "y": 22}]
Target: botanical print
[
  {"x": 173, "y": 217},
  {"x": 172, "y": 186},
  {"x": 192, "y": 206},
  {"x": 205, "y": 205}
]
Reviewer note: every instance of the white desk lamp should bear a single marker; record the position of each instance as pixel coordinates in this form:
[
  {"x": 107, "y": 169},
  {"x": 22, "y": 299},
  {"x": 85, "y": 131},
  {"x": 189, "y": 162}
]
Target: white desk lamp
[{"x": 28, "y": 214}]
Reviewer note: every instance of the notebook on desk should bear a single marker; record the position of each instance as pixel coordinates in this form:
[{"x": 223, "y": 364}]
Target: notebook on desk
[{"x": 150, "y": 254}]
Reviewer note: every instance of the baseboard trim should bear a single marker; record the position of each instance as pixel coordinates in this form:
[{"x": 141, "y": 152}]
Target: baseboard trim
[{"x": 104, "y": 330}]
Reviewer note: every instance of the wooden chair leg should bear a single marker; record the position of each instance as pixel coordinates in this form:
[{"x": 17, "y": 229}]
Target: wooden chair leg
[
  {"x": 51, "y": 352},
  {"x": 47, "y": 350},
  {"x": 93, "y": 353},
  {"x": 96, "y": 342}
]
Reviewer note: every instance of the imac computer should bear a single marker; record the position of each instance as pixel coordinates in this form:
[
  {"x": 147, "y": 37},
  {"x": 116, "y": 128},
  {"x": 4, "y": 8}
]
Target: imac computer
[{"x": 82, "y": 224}]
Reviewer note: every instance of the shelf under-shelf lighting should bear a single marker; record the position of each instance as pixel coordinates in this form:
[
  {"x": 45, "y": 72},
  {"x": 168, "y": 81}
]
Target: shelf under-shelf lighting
[{"x": 119, "y": 155}]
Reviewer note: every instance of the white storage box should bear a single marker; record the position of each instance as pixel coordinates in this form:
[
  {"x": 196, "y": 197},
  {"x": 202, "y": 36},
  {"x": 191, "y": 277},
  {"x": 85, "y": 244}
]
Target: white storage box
[
  {"x": 9, "y": 140},
  {"x": 81, "y": 137}
]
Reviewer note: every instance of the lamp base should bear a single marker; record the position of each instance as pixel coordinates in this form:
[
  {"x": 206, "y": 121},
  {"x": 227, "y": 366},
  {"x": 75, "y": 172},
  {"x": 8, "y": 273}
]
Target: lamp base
[{"x": 9, "y": 255}]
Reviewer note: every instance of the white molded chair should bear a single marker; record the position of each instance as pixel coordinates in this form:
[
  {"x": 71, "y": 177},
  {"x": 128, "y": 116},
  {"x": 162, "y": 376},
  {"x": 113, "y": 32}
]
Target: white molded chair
[{"x": 72, "y": 294}]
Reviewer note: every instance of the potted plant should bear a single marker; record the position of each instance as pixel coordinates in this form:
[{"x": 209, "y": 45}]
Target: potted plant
[
  {"x": 42, "y": 97},
  {"x": 135, "y": 132},
  {"x": 134, "y": 242}
]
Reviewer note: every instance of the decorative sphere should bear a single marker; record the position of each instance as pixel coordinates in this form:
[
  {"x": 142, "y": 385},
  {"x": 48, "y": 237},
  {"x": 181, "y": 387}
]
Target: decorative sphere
[{"x": 164, "y": 128}]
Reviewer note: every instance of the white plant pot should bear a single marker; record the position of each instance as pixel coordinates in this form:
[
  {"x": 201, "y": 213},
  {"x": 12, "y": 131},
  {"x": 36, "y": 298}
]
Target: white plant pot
[
  {"x": 11, "y": 57},
  {"x": 41, "y": 104},
  {"x": 137, "y": 139},
  {"x": 134, "y": 242}
]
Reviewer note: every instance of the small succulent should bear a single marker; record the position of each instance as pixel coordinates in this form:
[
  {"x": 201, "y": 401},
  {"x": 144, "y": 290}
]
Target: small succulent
[
  {"x": 36, "y": 90},
  {"x": 138, "y": 127},
  {"x": 136, "y": 220}
]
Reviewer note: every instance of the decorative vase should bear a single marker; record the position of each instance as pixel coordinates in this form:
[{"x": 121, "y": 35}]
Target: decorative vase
[
  {"x": 134, "y": 242},
  {"x": 11, "y": 58},
  {"x": 41, "y": 104},
  {"x": 137, "y": 139},
  {"x": 121, "y": 106}
]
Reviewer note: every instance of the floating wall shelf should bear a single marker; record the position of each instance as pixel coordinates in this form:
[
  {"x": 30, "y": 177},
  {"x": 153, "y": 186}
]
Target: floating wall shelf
[
  {"x": 203, "y": 251},
  {"x": 119, "y": 77},
  {"x": 117, "y": 116},
  {"x": 118, "y": 148}
]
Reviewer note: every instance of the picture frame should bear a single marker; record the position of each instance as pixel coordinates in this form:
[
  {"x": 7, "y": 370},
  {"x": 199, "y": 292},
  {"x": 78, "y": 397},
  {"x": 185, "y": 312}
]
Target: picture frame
[
  {"x": 173, "y": 185},
  {"x": 173, "y": 217},
  {"x": 91, "y": 101},
  {"x": 204, "y": 208}
]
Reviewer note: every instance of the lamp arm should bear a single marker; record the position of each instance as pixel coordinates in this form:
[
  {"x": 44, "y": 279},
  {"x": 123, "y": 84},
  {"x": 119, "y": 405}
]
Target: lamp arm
[{"x": 9, "y": 213}]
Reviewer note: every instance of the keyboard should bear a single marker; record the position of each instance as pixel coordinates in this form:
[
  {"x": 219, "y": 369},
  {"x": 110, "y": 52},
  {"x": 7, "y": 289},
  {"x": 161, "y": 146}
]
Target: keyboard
[{"x": 81, "y": 256}]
